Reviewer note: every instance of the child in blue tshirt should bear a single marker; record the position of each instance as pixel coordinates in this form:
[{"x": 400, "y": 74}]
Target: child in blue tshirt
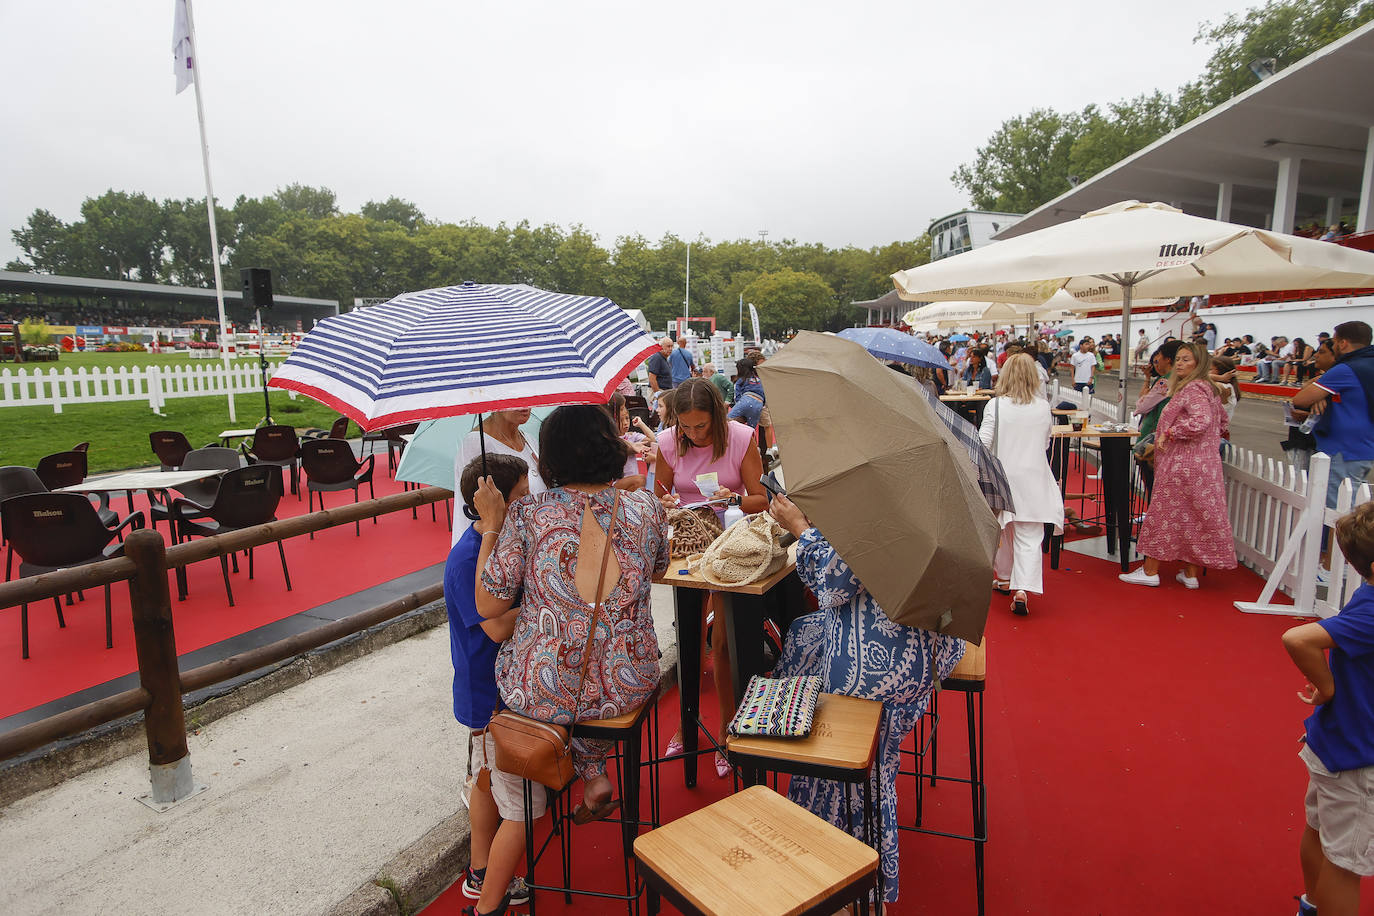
[
  {"x": 1337, "y": 848},
  {"x": 473, "y": 644}
]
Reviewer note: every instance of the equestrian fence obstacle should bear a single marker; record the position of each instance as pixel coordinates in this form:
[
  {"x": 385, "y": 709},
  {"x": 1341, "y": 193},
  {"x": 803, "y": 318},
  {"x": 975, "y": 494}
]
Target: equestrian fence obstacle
[
  {"x": 145, "y": 566},
  {"x": 154, "y": 384},
  {"x": 1279, "y": 522}
]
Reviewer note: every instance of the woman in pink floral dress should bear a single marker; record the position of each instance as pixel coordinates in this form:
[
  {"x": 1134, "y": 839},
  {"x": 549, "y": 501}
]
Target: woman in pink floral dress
[{"x": 1187, "y": 520}]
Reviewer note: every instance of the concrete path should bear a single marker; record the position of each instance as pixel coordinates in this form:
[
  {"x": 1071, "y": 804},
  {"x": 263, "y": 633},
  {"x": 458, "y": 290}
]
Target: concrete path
[{"x": 314, "y": 794}]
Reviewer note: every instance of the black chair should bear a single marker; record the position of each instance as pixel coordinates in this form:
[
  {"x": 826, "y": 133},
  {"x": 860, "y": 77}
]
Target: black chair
[
  {"x": 337, "y": 430},
  {"x": 212, "y": 457},
  {"x": 52, "y": 531},
  {"x": 246, "y": 497},
  {"x": 277, "y": 445},
  {"x": 81, "y": 447},
  {"x": 636, "y": 400},
  {"x": 16, "y": 480},
  {"x": 170, "y": 447},
  {"x": 62, "y": 469},
  {"x": 330, "y": 467}
]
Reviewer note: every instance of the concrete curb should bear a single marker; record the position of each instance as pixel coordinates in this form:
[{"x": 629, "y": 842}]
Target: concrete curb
[{"x": 51, "y": 765}]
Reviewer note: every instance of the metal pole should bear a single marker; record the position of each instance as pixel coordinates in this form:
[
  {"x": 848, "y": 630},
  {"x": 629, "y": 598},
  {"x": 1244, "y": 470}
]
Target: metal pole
[
  {"x": 687, "y": 291},
  {"x": 210, "y": 204},
  {"x": 1127, "y": 289},
  {"x": 262, "y": 363},
  {"x": 164, "y": 721}
]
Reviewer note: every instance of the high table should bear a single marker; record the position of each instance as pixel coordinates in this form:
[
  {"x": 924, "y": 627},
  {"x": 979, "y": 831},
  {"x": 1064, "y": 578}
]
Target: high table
[
  {"x": 226, "y": 434},
  {"x": 744, "y": 607},
  {"x": 1116, "y": 486},
  {"x": 969, "y": 405}
]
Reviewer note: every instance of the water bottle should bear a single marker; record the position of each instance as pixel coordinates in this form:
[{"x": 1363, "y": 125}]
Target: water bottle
[
  {"x": 1309, "y": 424},
  {"x": 733, "y": 513}
]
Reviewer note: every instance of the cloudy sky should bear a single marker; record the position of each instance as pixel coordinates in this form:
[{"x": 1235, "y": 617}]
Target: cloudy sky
[{"x": 830, "y": 122}]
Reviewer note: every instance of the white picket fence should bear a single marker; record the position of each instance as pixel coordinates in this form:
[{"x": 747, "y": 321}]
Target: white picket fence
[{"x": 154, "y": 384}]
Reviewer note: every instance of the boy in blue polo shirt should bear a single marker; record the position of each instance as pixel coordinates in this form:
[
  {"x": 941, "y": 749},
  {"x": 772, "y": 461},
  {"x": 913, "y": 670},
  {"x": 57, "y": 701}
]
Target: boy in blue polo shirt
[
  {"x": 473, "y": 644},
  {"x": 1337, "y": 847}
]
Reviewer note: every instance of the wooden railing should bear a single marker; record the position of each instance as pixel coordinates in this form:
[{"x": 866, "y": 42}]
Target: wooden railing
[{"x": 145, "y": 565}]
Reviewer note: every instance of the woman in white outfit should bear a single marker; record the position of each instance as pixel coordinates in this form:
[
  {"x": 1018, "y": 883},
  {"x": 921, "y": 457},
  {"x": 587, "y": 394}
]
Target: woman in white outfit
[{"x": 1016, "y": 426}]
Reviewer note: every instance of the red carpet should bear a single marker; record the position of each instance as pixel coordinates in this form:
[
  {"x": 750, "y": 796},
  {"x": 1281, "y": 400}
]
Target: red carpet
[
  {"x": 1141, "y": 755},
  {"x": 334, "y": 564}
]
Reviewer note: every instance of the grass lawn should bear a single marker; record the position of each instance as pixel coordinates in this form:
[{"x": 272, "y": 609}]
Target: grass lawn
[
  {"x": 118, "y": 432},
  {"x": 76, "y": 361}
]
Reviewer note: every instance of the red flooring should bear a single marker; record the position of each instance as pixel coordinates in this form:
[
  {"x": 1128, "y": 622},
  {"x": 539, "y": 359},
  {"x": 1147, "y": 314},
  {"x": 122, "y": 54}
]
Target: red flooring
[
  {"x": 1141, "y": 759},
  {"x": 334, "y": 564}
]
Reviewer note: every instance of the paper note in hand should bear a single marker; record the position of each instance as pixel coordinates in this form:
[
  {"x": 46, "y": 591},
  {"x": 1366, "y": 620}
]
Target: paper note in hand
[{"x": 707, "y": 483}]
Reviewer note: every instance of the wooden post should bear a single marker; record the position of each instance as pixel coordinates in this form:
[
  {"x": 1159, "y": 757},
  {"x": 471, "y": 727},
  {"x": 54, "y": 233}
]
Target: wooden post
[{"x": 164, "y": 721}]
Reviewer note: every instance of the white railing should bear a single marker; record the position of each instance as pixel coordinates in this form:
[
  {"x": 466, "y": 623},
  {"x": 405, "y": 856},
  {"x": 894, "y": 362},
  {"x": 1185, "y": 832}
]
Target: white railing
[
  {"x": 1280, "y": 519},
  {"x": 154, "y": 384}
]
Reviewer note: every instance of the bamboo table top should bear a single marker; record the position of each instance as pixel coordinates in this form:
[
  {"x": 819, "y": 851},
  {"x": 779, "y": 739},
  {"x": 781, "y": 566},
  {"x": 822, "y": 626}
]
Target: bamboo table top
[
  {"x": 679, "y": 576},
  {"x": 844, "y": 735},
  {"x": 754, "y": 854}
]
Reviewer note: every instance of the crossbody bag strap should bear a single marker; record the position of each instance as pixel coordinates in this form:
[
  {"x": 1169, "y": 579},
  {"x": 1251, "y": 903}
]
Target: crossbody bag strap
[{"x": 596, "y": 612}]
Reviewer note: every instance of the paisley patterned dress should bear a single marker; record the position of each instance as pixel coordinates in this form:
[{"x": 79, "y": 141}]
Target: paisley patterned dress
[
  {"x": 538, "y": 667},
  {"x": 856, "y": 650}
]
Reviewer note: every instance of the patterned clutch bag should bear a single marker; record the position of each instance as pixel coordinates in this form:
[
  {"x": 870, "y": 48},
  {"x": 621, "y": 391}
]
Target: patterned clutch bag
[{"x": 777, "y": 707}]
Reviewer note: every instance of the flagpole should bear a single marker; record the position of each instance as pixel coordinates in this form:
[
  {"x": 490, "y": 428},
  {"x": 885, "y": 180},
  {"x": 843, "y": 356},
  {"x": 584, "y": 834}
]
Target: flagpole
[{"x": 210, "y": 211}]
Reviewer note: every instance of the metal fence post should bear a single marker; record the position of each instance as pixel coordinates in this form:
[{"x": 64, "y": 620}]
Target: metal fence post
[{"x": 164, "y": 721}]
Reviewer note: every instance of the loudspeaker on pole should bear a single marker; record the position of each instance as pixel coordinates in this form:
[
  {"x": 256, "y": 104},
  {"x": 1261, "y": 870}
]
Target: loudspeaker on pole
[{"x": 257, "y": 287}]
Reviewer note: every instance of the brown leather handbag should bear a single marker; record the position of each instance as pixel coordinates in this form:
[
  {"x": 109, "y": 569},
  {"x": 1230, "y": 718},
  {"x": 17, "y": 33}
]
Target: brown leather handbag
[{"x": 537, "y": 750}]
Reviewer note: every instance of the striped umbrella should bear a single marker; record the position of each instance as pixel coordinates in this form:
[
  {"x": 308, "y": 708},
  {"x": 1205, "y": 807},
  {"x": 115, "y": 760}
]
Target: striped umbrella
[{"x": 463, "y": 350}]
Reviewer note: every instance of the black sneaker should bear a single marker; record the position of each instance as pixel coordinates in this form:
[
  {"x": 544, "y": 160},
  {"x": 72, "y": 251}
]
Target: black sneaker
[
  {"x": 499, "y": 911},
  {"x": 472, "y": 884}
]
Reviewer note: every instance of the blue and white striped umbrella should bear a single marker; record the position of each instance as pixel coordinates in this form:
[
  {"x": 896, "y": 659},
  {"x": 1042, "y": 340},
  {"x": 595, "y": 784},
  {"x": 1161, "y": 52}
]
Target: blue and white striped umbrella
[
  {"x": 894, "y": 346},
  {"x": 463, "y": 350}
]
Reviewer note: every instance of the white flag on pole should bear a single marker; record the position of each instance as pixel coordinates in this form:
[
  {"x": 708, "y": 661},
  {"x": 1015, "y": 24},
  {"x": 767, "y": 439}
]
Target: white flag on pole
[{"x": 183, "y": 62}]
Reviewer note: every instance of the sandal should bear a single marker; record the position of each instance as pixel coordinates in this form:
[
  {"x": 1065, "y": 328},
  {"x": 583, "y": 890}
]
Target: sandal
[
  {"x": 723, "y": 767},
  {"x": 674, "y": 748},
  {"x": 1002, "y": 586},
  {"x": 1018, "y": 605},
  {"x": 584, "y": 815},
  {"x": 1083, "y": 527}
]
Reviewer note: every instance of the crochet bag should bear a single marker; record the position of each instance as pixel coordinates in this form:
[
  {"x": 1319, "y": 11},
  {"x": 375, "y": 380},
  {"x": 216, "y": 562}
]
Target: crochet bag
[
  {"x": 693, "y": 530},
  {"x": 747, "y": 551},
  {"x": 532, "y": 748}
]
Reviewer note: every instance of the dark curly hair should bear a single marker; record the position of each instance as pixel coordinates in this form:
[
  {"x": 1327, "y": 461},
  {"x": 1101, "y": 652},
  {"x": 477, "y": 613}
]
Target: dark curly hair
[{"x": 580, "y": 444}]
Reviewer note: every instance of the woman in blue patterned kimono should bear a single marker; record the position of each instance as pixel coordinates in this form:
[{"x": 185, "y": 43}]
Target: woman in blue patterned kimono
[{"x": 856, "y": 650}]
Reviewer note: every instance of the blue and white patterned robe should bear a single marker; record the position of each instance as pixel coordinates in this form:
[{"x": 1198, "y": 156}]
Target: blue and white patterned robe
[{"x": 856, "y": 650}]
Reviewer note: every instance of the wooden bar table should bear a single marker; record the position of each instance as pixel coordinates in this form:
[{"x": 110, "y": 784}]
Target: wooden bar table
[
  {"x": 969, "y": 404},
  {"x": 1116, "y": 485},
  {"x": 744, "y": 607}
]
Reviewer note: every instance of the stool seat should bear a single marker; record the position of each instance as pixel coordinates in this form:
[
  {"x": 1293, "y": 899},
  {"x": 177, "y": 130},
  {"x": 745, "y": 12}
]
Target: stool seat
[
  {"x": 844, "y": 736},
  {"x": 972, "y": 671},
  {"x": 755, "y": 854},
  {"x": 595, "y": 728}
]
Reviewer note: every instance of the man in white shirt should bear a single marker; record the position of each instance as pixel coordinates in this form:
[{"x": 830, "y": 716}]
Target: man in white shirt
[{"x": 1084, "y": 363}]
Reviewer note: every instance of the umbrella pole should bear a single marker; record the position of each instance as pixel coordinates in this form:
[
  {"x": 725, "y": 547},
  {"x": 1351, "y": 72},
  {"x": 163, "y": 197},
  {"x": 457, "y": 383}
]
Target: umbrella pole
[
  {"x": 1126, "y": 291},
  {"x": 482, "y": 443}
]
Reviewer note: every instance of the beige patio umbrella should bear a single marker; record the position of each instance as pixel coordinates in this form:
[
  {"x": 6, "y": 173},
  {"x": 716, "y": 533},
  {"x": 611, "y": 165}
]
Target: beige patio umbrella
[
  {"x": 868, "y": 463},
  {"x": 1133, "y": 250},
  {"x": 964, "y": 314}
]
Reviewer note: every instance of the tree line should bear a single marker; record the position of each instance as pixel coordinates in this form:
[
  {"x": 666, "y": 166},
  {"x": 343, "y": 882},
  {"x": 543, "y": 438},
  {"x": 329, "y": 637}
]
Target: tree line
[
  {"x": 1033, "y": 158},
  {"x": 389, "y": 247}
]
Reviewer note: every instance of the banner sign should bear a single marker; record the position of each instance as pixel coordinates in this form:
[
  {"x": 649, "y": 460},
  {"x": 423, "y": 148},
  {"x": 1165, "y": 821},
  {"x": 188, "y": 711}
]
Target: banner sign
[
  {"x": 89, "y": 330},
  {"x": 117, "y": 331}
]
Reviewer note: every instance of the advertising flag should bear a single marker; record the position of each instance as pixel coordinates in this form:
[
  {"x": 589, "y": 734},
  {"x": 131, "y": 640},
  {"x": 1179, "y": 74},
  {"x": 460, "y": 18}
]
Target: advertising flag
[{"x": 183, "y": 63}]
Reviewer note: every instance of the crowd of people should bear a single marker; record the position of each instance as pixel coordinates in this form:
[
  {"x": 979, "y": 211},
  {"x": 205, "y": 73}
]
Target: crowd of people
[{"x": 536, "y": 631}]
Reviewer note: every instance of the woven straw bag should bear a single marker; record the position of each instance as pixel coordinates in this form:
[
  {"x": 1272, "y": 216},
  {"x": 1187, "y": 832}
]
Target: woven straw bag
[
  {"x": 693, "y": 531},
  {"x": 747, "y": 551}
]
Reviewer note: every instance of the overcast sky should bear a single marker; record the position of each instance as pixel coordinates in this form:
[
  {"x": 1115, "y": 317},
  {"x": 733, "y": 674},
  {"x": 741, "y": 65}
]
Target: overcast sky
[{"x": 825, "y": 122}]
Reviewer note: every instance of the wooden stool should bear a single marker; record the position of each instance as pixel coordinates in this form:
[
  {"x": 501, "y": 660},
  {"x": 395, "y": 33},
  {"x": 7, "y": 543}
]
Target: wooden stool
[
  {"x": 969, "y": 678},
  {"x": 625, "y": 730},
  {"x": 755, "y": 854},
  {"x": 843, "y": 745}
]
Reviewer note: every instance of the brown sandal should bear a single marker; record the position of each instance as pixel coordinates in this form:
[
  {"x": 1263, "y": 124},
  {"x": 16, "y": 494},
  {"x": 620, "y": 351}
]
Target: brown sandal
[{"x": 584, "y": 815}]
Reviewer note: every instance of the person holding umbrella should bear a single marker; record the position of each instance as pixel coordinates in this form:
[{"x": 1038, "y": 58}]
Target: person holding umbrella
[{"x": 856, "y": 650}]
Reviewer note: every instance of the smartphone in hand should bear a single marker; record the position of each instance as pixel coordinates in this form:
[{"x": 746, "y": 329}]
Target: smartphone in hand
[{"x": 770, "y": 483}]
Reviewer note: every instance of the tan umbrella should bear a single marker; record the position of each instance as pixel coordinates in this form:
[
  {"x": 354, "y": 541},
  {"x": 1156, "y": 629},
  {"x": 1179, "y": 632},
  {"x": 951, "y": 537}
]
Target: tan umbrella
[
  {"x": 867, "y": 462},
  {"x": 964, "y": 314},
  {"x": 1132, "y": 250}
]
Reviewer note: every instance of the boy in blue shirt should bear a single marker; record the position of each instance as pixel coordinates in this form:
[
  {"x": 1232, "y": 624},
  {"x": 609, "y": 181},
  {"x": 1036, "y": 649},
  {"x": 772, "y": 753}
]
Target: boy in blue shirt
[
  {"x": 1337, "y": 847},
  {"x": 473, "y": 644}
]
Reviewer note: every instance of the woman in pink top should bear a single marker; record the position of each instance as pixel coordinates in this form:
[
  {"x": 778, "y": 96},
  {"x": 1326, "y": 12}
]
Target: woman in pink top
[{"x": 704, "y": 441}]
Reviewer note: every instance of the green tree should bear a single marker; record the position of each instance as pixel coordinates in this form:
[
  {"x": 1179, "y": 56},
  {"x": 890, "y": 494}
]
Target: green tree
[
  {"x": 186, "y": 232},
  {"x": 124, "y": 234},
  {"x": 1025, "y": 163},
  {"x": 394, "y": 210},
  {"x": 46, "y": 241},
  {"x": 317, "y": 203},
  {"x": 1125, "y": 128},
  {"x": 1286, "y": 30},
  {"x": 789, "y": 300}
]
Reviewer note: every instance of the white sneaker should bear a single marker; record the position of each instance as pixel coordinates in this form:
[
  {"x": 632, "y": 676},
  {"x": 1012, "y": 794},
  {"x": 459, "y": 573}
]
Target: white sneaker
[
  {"x": 1323, "y": 576},
  {"x": 1140, "y": 577},
  {"x": 1188, "y": 582}
]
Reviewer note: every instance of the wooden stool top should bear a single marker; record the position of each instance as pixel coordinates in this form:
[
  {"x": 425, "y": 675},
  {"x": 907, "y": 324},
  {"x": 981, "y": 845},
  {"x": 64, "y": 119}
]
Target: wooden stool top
[
  {"x": 844, "y": 735},
  {"x": 754, "y": 854},
  {"x": 973, "y": 667}
]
